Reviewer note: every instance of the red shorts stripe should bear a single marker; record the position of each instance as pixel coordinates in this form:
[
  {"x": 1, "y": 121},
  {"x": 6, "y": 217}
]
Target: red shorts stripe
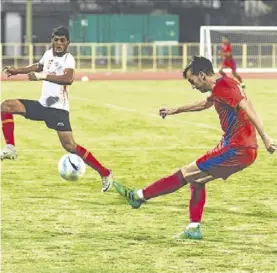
[{"x": 221, "y": 162}]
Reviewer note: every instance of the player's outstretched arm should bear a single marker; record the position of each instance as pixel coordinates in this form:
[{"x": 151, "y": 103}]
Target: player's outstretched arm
[
  {"x": 192, "y": 107},
  {"x": 256, "y": 120},
  {"x": 11, "y": 71},
  {"x": 65, "y": 79}
]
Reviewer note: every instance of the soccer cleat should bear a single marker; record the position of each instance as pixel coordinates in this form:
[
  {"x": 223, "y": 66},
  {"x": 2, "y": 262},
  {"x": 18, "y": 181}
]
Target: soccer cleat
[
  {"x": 8, "y": 152},
  {"x": 130, "y": 195},
  {"x": 193, "y": 233},
  {"x": 107, "y": 182}
]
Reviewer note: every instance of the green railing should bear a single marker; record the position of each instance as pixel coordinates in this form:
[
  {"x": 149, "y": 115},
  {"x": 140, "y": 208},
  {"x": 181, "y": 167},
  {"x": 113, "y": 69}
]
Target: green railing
[{"x": 128, "y": 57}]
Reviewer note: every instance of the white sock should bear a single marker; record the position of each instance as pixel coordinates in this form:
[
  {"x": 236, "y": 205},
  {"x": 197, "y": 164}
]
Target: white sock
[
  {"x": 193, "y": 225},
  {"x": 140, "y": 194}
]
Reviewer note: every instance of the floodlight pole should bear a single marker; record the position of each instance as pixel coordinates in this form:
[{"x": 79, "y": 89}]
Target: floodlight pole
[{"x": 29, "y": 22}]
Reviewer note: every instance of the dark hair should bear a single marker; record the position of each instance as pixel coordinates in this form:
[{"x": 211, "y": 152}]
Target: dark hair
[
  {"x": 197, "y": 65},
  {"x": 61, "y": 31}
]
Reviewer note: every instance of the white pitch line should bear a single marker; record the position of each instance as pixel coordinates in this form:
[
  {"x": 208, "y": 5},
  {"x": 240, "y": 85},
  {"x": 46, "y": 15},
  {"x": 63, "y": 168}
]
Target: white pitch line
[
  {"x": 117, "y": 107},
  {"x": 176, "y": 236}
]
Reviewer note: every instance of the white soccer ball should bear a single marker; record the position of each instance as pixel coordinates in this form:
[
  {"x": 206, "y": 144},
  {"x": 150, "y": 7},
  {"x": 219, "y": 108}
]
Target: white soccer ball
[
  {"x": 84, "y": 79},
  {"x": 71, "y": 167}
]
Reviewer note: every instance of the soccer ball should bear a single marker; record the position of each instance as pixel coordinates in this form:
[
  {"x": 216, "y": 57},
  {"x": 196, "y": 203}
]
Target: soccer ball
[
  {"x": 71, "y": 167},
  {"x": 84, "y": 79}
]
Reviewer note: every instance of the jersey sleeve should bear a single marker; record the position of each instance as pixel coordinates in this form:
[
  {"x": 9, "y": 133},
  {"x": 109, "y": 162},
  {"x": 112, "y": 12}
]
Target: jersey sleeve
[
  {"x": 230, "y": 94},
  {"x": 69, "y": 62}
]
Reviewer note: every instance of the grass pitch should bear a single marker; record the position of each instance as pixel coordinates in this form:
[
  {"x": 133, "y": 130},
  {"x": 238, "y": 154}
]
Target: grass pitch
[{"x": 52, "y": 226}]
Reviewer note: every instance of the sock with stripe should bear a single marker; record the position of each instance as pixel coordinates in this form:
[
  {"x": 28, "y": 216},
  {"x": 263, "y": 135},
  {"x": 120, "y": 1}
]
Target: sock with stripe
[{"x": 90, "y": 160}]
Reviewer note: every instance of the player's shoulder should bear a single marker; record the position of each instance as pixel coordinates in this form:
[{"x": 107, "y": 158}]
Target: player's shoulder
[
  {"x": 69, "y": 57},
  {"x": 224, "y": 83},
  {"x": 48, "y": 53},
  {"x": 221, "y": 82},
  {"x": 69, "y": 61}
]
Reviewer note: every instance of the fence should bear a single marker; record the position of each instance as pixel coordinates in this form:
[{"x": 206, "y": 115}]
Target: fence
[{"x": 138, "y": 57}]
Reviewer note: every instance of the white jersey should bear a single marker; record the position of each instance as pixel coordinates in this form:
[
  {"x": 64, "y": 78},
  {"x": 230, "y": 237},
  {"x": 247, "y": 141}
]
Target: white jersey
[{"x": 55, "y": 95}]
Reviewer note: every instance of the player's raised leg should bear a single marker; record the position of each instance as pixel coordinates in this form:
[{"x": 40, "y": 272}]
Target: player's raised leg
[
  {"x": 69, "y": 144},
  {"x": 162, "y": 186},
  {"x": 8, "y": 107}
]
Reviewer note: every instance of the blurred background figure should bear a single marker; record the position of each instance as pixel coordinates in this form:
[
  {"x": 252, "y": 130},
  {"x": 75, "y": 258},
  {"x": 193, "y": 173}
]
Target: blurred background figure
[{"x": 228, "y": 60}]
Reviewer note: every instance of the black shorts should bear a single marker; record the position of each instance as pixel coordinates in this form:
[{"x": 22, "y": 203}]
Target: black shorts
[{"x": 56, "y": 119}]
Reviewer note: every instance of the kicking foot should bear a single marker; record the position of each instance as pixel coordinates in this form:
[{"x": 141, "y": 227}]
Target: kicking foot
[
  {"x": 9, "y": 152},
  {"x": 107, "y": 182},
  {"x": 130, "y": 195}
]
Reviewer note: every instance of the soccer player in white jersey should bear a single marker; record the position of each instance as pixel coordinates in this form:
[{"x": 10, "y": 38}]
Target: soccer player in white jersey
[{"x": 56, "y": 70}]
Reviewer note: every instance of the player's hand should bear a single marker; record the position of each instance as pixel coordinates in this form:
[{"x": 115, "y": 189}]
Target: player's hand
[
  {"x": 269, "y": 145},
  {"x": 9, "y": 71},
  {"x": 164, "y": 112},
  {"x": 35, "y": 76}
]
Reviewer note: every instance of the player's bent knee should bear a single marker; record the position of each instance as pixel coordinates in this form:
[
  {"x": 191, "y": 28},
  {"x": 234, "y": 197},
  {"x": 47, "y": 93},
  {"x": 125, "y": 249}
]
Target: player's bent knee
[
  {"x": 187, "y": 175},
  {"x": 188, "y": 178},
  {"x": 5, "y": 106},
  {"x": 203, "y": 181},
  {"x": 12, "y": 106},
  {"x": 192, "y": 173}
]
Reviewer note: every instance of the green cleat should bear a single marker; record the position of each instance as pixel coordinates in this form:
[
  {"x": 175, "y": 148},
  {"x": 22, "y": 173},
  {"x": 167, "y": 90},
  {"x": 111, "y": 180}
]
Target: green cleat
[
  {"x": 129, "y": 194},
  {"x": 190, "y": 233},
  {"x": 193, "y": 233}
]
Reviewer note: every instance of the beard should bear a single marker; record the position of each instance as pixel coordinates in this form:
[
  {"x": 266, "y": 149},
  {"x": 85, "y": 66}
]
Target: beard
[{"x": 58, "y": 53}]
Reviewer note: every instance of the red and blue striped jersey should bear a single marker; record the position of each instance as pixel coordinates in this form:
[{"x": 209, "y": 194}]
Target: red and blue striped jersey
[{"x": 237, "y": 127}]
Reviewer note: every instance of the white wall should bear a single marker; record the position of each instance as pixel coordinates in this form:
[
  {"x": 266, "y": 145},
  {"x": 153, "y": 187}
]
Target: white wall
[{"x": 13, "y": 32}]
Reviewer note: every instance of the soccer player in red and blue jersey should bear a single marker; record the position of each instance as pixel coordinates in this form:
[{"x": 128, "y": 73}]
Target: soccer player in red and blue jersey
[
  {"x": 228, "y": 60},
  {"x": 236, "y": 150}
]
